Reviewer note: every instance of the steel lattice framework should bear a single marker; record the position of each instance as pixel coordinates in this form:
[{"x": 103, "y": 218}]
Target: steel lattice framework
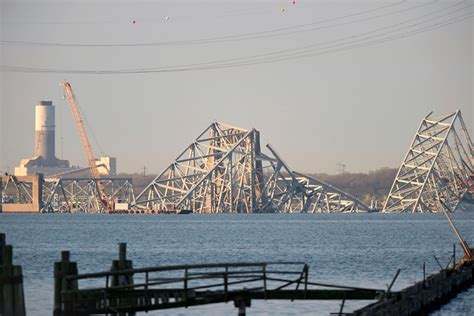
[
  {"x": 438, "y": 166},
  {"x": 16, "y": 190},
  {"x": 69, "y": 195},
  {"x": 225, "y": 171},
  {"x": 81, "y": 195}
]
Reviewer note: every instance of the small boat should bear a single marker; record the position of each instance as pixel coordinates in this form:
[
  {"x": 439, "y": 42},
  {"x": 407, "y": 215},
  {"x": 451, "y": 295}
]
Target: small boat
[{"x": 182, "y": 212}]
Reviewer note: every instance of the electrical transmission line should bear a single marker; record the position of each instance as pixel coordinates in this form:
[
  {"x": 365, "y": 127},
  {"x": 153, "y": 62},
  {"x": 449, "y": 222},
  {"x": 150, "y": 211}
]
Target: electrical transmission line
[{"x": 342, "y": 44}]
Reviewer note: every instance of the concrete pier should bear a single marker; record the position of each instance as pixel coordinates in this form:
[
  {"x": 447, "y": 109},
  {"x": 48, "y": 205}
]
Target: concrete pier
[{"x": 24, "y": 200}]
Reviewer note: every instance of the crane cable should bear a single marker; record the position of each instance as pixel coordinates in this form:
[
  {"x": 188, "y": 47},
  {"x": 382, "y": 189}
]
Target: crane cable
[
  {"x": 61, "y": 104},
  {"x": 89, "y": 126}
]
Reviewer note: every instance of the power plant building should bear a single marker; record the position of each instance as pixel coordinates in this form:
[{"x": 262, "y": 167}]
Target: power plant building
[{"x": 44, "y": 161}]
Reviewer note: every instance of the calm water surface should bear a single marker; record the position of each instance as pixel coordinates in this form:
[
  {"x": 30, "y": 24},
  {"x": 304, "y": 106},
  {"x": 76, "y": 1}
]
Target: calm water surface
[{"x": 349, "y": 249}]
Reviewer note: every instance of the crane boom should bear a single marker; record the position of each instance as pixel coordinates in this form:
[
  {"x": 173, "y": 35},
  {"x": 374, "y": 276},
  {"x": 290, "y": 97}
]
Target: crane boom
[{"x": 84, "y": 139}]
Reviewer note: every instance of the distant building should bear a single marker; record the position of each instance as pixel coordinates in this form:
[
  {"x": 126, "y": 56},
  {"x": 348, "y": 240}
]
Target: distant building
[{"x": 107, "y": 166}]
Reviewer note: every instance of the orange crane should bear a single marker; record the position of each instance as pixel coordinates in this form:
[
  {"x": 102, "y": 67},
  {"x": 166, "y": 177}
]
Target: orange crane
[{"x": 85, "y": 141}]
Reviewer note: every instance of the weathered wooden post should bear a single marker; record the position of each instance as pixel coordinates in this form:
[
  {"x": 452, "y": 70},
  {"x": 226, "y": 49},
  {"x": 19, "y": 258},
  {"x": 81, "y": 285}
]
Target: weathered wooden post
[
  {"x": 122, "y": 264},
  {"x": 122, "y": 279},
  {"x": 242, "y": 304},
  {"x": 454, "y": 256},
  {"x": 12, "y": 299},
  {"x": 2, "y": 244},
  {"x": 424, "y": 274},
  {"x": 64, "y": 303}
]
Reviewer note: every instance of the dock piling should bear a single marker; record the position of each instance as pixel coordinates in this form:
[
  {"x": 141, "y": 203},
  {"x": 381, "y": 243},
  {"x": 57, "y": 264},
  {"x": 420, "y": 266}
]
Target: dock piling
[
  {"x": 2, "y": 244},
  {"x": 63, "y": 301},
  {"x": 424, "y": 274},
  {"x": 242, "y": 304},
  {"x": 12, "y": 299},
  {"x": 454, "y": 255},
  {"x": 424, "y": 296},
  {"x": 122, "y": 279},
  {"x": 122, "y": 264}
]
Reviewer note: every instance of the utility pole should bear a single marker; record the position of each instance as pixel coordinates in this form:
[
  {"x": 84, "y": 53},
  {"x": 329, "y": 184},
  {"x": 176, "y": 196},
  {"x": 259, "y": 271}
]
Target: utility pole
[
  {"x": 144, "y": 171},
  {"x": 341, "y": 168}
]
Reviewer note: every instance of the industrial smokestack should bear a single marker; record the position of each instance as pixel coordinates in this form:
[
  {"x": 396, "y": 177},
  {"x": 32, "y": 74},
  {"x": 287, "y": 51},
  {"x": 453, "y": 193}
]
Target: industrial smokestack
[
  {"x": 45, "y": 133},
  {"x": 45, "y": 160}
]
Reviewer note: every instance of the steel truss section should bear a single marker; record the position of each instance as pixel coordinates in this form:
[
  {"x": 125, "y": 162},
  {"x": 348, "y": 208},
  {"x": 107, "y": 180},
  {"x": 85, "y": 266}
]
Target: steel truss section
[
  {"x": 216, "y": 173},
  {"x": 225, "y": 171},
  {"x": 438, "y": 167},
  {"x": 287, "y": 191},
  {"x": 325, "y": 198},
  {"x": 16, "y": 191},
  {"x": 81, "y": 195}
]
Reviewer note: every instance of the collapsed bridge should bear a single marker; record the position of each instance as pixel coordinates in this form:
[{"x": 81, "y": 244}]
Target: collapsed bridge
[
  {"x": 438, "y": 169},
  {"x": 226, "y": 171}
]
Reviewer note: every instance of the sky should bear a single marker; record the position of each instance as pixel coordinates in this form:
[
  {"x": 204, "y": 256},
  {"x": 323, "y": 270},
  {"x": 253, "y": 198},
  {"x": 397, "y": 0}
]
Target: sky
[{"x": 326, "y": 102}]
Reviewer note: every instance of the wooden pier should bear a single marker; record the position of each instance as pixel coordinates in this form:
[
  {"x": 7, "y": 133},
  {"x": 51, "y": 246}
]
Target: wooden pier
[
  {"x": 425, "y": 296},
  {"x": 124, "y": 290}
]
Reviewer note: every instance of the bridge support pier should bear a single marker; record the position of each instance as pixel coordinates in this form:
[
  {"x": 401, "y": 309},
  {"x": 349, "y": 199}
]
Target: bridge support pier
[{"x": 242, "y": 304}]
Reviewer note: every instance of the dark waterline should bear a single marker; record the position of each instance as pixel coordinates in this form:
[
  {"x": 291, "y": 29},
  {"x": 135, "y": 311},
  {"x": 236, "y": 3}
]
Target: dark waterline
[{"x": 350, "y": 249}]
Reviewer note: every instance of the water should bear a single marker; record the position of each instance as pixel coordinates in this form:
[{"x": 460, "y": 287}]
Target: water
[{"x": 349, "y": 249}]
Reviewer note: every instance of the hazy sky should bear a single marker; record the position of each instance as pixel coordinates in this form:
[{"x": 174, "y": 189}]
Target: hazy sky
[{"x": 357, "y": 106}]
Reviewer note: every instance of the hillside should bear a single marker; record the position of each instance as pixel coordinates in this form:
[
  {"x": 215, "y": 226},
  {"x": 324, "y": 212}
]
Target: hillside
[{"x": 375, "y": 184}]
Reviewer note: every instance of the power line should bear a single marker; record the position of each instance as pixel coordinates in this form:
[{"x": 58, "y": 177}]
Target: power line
[
  {"x": 227, "y": 13},
  {"x": 242, "y": 36},
  {"x": 249, "y": 62},
  {"x": 305, "y": 48},
  {"x": 335, "y": 49},
  {"x": 297, "y": 52},
  {"x": 465, "y": 16},
  {"x": 345, "y": 48}
]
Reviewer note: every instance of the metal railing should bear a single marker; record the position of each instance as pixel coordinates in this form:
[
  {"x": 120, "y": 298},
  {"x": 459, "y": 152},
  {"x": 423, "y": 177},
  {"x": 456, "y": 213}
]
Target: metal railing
[{"x": 124, "y": 289}]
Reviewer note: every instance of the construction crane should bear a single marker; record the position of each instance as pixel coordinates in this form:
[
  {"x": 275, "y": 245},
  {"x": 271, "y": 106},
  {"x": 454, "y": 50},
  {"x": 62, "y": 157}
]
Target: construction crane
[{"x": 69, "y": 94}]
